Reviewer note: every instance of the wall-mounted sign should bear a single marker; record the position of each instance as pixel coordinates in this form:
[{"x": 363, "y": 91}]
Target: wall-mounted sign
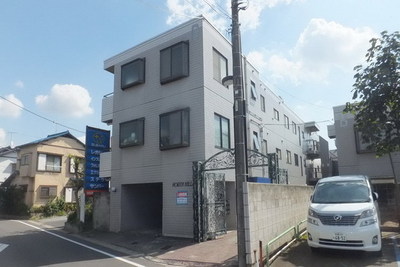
[
  {"x": 182, "y": 198},
  {"x": 97, "y": 142}
]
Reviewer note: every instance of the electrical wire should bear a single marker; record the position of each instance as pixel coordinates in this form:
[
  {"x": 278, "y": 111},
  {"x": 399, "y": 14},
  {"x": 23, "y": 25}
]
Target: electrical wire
[{"x": 40, "y": 116}]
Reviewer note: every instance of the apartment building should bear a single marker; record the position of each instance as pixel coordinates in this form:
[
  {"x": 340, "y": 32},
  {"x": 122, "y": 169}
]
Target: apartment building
[
  {"x": 354, "y": 157},
  {"x": 44, "y": 167},
  {"x": 169, "y": 110}
]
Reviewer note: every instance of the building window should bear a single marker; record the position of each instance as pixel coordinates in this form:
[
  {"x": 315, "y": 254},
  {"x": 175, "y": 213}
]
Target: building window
[
  {"x": 294, "y": 127},
  {"x": 279, "y": 153},
  {"x": 220, "y": 66},
  {"x": 48, "y": 191},
  {"x": 25, "y": 159},
  {"x": 222, "y": 132},
  {"x": 50, "y": 163},
  {"x": 253, "y": 90},
  {"x": 133, "y": 73},
  {"x": 288, "y": 157},
  {"x": 131, "y": 133},
  {"x": 262, "y": 103},
  {"x": 286, "y": 122},
  {"x": 256, "y": 143},
  {"x": 276, "y": 115},
  {"x": 174, "y": 62},
  {"x": 72, "y": 168},
  {"x": 174, "y": 129},
  {"x": 296, "y": 159},
  {"x": 265, "y": 147},
  {"x": 361, "y": 146}
]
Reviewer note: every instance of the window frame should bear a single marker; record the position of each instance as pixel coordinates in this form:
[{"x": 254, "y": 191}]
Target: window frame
[
  {"x": 253, "y": 90},
  {"x": 217, "y": 59},
  {"x": 51, "y": 188},
  {"x": 139, "y": 65},
  {"x": 173, "y": 60},
  {"x": 220, "y": 130},
  {"x": 256, "y": 141},
  {"x": 294, "y": 127},
  {"x": 184, "y": 133},
  {"x": 140, "y": 122},
  {"x": 46, "y": 168},
  {"x": 276, "y": 114},
  {"x": 286, "y": 121},
  {"x": 296, "y": 159},
  {"x": 288, "y": 157},
  {"x": 80, "y": 166},
  {"x": 26, "y": 159},
  {"x": 262, "y": 103},
  {"x": 279, "y": 153}
]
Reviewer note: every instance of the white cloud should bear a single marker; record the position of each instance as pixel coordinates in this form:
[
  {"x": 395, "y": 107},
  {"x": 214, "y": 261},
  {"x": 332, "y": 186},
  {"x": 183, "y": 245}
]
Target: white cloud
[
  {"x": 66, "y": 99},
  {"x": 217, "y": 11},
  {"x": 320, "y": 49},
  {"x": 2, "y": 138},
  {"x": 19, "y": 84},
  {"x": 8, "y": 109}
]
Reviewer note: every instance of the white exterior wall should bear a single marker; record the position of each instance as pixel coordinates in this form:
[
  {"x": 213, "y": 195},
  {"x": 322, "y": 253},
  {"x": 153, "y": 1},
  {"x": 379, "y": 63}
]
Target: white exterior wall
[
  {"x": 350, "y": 162},
  {"x": 204, "y": 96},
  {"x": 6, "y": 161}
]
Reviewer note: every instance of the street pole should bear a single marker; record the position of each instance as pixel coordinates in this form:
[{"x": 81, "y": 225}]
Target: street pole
[{"x": 240, "y": 133}]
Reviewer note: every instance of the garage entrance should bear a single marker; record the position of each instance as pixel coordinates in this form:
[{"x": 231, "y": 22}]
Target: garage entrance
[{"x": 141, "y": 207}]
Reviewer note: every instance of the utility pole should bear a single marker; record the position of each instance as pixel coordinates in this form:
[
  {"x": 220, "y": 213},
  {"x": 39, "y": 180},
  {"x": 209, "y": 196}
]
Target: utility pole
[{"x": 239, "y": 111}]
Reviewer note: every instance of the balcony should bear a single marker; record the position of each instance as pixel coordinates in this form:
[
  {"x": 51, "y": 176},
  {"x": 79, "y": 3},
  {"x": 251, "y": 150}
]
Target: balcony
[
  {"x": 331, "y": 131},
  {"x": 107, "y": 109},
  {"x": 311, "y": 127},
  {"x": 105, "y": 165},
  {"x": 311, "y": 149}
]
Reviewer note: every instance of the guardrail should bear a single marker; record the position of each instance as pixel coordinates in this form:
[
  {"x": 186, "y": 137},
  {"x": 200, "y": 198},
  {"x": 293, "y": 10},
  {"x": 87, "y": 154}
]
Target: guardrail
[{"x": 296, "y": 236}]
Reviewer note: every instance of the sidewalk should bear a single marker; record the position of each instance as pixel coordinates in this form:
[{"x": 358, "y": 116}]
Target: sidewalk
[{"x": 169, "y": 250}]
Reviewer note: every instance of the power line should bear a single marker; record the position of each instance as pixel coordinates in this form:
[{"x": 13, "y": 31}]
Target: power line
[
  {"x": 220, "y": 10},
  {"x": 40, "y": 116}
]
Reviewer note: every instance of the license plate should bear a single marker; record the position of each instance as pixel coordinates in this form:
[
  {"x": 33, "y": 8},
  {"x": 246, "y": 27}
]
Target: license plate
[{"x": 339, "y": 237}]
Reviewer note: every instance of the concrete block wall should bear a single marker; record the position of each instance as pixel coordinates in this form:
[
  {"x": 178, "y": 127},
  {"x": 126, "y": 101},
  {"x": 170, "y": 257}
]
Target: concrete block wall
[{"x": 271, "y": 210}]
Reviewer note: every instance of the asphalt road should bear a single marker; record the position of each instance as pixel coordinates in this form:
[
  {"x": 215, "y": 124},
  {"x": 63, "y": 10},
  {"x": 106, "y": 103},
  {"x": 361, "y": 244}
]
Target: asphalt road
[
  {"x": 301, "y": 255},
  {"x": 24, "y": 243}
]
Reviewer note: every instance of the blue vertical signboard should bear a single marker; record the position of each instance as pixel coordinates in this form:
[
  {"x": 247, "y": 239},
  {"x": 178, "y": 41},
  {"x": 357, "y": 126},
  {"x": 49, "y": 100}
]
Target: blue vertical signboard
[{"x": 97, "y": 142}]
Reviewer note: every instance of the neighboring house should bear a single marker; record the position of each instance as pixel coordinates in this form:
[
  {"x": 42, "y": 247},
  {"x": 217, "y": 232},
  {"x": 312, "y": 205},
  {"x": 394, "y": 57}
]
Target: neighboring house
[
  {"x": 44, "y": 167},
  {"x": 8, "y": 160},
  {"x": 355, "y": 158},
  {"x": 169, "y": 111}
]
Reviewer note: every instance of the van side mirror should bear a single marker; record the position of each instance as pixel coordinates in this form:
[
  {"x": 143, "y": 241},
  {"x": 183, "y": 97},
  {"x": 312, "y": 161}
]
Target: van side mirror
[{"x": 375, "y": 196}]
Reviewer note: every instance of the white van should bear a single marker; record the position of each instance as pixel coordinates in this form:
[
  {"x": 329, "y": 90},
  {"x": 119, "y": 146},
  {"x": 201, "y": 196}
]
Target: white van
[{"x": 344, "y": 214}]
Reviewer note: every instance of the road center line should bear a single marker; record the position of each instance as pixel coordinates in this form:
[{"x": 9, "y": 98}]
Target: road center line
[{"x": 83, "y": 245}]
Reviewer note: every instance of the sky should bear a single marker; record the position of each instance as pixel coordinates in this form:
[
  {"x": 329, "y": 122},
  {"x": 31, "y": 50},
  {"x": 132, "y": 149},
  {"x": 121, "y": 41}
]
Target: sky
[{"x": 52, "y": 53}]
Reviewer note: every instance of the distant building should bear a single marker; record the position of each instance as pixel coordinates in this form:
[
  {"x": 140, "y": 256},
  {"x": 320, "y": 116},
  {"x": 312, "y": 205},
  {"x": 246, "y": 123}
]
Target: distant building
[
  {"x": 44, "y": 168},
  {"x": 355, "y": 158},
  {"x": 8, "y": 160},
  {"x": 170, "y": 111}
]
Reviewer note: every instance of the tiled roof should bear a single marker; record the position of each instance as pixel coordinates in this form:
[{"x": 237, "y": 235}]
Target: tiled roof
[{"x": 52, "y": 136}]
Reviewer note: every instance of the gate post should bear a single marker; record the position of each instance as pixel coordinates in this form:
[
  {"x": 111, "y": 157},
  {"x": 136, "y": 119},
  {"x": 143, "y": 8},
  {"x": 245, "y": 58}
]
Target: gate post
[{"x": 197, "y": 193}]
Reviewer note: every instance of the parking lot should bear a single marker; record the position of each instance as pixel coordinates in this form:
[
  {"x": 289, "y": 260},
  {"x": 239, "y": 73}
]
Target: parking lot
[{"x": 299, "y": 254}]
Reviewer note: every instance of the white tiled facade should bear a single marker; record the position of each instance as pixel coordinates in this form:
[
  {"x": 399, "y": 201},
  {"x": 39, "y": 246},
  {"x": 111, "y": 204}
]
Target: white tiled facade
[{"x": 167, "y": 174}]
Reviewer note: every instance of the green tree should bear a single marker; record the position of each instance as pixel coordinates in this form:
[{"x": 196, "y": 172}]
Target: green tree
[{"x": 377, "y": 98}]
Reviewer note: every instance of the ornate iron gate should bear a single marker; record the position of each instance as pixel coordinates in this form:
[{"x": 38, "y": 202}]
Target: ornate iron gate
[{"x": 209, "y": 200}]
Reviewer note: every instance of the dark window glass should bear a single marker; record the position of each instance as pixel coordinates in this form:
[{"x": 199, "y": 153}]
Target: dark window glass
[
  {"x": 133, "y": 73},
  {"x": 220, "y": 66},
  {"x": 222, "y": 132},
  {"x": 131, "y": 133},
  {"x": 174, "y": 129},
  {"x": 174, "y": 62}
]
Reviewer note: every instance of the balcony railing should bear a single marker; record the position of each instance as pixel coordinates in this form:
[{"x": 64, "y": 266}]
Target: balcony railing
[
  {"x": 107, "y": 109},
  {"x": 311, "y": 149}
]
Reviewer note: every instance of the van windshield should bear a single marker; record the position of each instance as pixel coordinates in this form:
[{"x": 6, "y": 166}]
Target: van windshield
[{"x": 341, "y": 192}]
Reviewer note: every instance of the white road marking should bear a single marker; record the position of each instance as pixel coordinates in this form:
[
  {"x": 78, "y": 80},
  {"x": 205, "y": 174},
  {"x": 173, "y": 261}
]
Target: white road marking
[
  {"x": 396, "y": 250},
  {"x": 83, "y": 245},
  {"x": 3, "y": 247}
]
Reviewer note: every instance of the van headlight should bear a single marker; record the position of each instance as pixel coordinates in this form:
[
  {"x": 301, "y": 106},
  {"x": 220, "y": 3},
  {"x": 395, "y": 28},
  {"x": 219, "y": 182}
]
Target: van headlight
[
  {"x": 312, "y": 217},
  {"x": 369, "y": 216}
]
